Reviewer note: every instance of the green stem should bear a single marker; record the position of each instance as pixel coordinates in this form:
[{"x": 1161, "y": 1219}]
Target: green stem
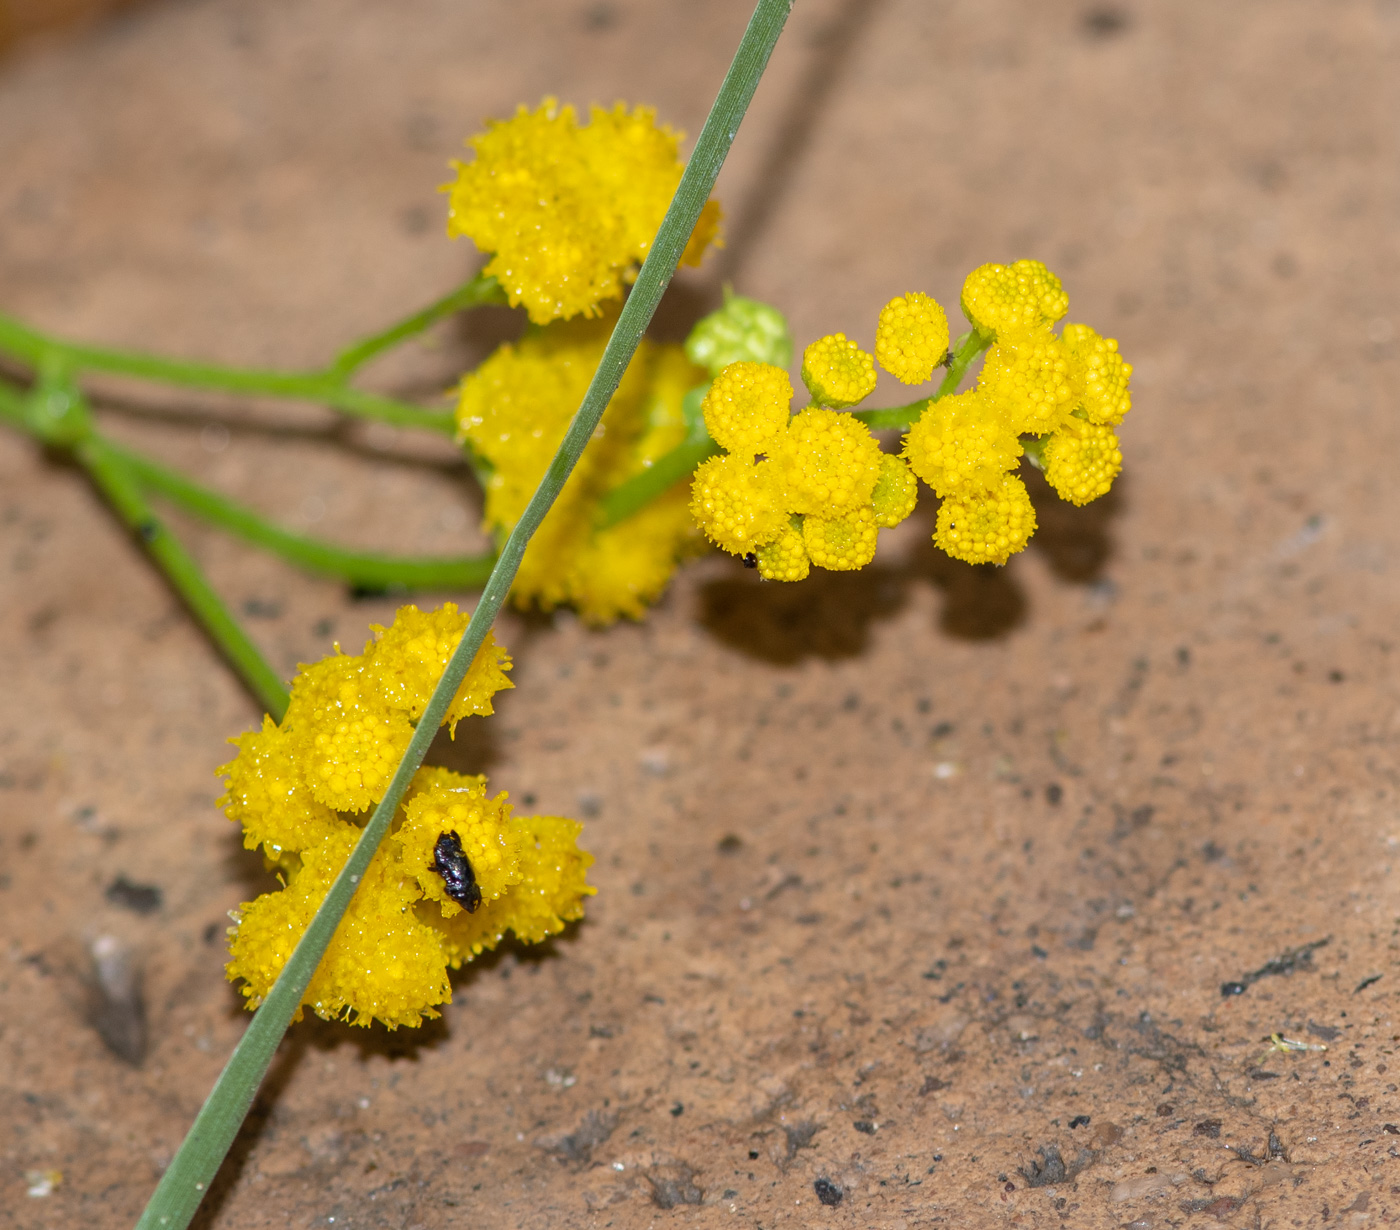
[
  {"x": 31, "y": 346},
  {"x": 965, "y": 350},
  {"x": 194, "y": 1165},
  {"x": 368, "y": 569},
  {"x": 116, "y": 481},
  {"x": 664, "y": 473},
  {"x": 481, "y": 290}
]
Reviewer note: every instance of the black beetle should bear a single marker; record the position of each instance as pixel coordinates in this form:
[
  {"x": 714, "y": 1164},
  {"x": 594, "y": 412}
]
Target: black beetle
[{"x": 456, "y": 870}]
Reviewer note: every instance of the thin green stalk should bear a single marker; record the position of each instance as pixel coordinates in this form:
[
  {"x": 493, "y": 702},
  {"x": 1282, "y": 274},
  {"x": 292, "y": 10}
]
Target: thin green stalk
[
  {"x": 12, "y": 404},
  {"x": 664, "y": 473},
  {"x": 965, "y": 350},
  {"x": 185, "y": 1181},
  {"x": 116, "y": 481},
  {"x": 33, "y": 347},
  {"x": 481, "y": 290},
  {"x": 369, "y": 569}
]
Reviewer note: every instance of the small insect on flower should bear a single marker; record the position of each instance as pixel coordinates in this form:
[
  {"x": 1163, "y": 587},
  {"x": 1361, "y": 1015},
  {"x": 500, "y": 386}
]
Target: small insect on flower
[
  {"x": 751, "y": 560},
  {"x": 456, "y": 870}
]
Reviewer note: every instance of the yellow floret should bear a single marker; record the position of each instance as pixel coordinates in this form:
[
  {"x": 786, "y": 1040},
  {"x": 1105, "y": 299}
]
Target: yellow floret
[
  {"x": 1005, "y": 299},
  {"x": 837, "y": 372},
  {"x": 352, "y": 738},
  {"x": 986, "y": 526},
  {"x": 841, "y": 543},
  {"x": 568, "y": 210},
  {"x": 1082, "y": 460},
  {"x": 785, "y": 558},
  {"x": 746, "y": 408},
  {"x": 895, "y": 494},
  {"x": 738, "y": 503},
  {"x": 1101, "y": 373},
  {"x": 961, "y": 441},
  {"x": 830, "y": 463},
  {"x": 1029, "y": 378},
  {"x": 406, "y": 662},
  {"x": 549, "y": 896},
  {"x": 266, "y": 794},
  {"x": 483, "y": 826},
  {"x": 911, "y": 340},
  {"x": 383, "y": 964}
]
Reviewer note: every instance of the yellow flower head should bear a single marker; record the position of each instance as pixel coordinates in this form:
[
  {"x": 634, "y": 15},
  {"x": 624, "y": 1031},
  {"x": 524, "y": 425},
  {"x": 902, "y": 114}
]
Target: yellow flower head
[
  {"x": 383, "y": 962},
  {"x": 961, "y": 441},
  {"x": 352, "y": 738},
  {"x": 1006, "y": 299},
  {"x": 1081, "y": 460},
  {"x": 514, "y": 410},
  {"x": 830, "y": 463},
  {"x": 986, "y": 526},
  {"x": 568, "y": 211},
  {"x": 785, "y": 558},
  {"x": 746, "y": 408},
  {"x": 895, "y": 494},
  {"x": 1030, "y": 379},
  {"x": 409, "y": 657},
  {"x": 911, "y": 340},
  {"x": 738, "y": 503},
  {"x": 268, "y": 796},
  {"x": 488, "y": 840},
  {"x": 841, "y": 544},
  {"x": 837, "y": 372},
  {"x": 340, "y": 741},
  {"x": 1101, "y": 373}
]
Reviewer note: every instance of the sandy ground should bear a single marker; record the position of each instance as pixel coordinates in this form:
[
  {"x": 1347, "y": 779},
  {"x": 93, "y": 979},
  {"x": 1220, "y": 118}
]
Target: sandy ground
[{"x": 918, "y": 888}]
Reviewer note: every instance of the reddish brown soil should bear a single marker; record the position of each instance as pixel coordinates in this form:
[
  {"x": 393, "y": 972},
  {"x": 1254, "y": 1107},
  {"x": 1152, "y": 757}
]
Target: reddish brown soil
[{"x": 919, "y": 885}]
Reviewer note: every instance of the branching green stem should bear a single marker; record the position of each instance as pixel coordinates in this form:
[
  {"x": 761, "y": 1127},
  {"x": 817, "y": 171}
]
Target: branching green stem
[
  {"x": 116, "y": 481},
  {"x": 368, "y": 569},
  {"x": 664, "y": 473},
  {"x": 185, "y": 1181},
  {"x": 481, "y": 290},
  {"x": 965, "y": 350},
  {"x": 33, "y": 347}
]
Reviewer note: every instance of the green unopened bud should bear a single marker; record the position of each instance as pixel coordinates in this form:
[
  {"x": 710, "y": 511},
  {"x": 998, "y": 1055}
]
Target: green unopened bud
[{"x": 742, "y": 330}]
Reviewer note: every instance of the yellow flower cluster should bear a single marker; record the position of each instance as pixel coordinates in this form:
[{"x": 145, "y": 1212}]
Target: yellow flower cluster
[
  {"x": 513, "y": 411},
  {"x": 568, "y": 211},
  {"x": 457, "y": 870},
  {"x": 791, "y": 491},
  {"x": 1069, "y": 390}
]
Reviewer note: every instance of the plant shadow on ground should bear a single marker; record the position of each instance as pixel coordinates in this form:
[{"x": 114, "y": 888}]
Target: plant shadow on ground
[{"x": 830, "y": 614}]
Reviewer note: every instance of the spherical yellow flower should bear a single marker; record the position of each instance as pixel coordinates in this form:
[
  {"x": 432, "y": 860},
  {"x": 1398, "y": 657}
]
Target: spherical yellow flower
[
  {"x": 352, "y": 738},
  {"x": 1005, "y": 299},
  {"x": 1101, "y": 373},
  {"x": 1030, "y": 379},
  {"x": 837, "y": 372},
  {"x": 986, "y": 526},
  {"x": 382, "y": 964},
  {"x": 746, "y": 408},
  {"x": 267, "y": 794},
  {"x": 911, "y": 339},
  {"x": 961, "y": 441},
  {"x": 738, "y": 503},
  {"x": 785, "y": 558},
  {"x": 1081, "y": 460},
  {"x": 409, "y": 657},
  {"x": 549, "y": 896},
  {"x": 491, "y": 845},
  {"x": 841, "y": 544},
  {"x": 830, "y": 463},
  {"x": 567, "y": 210},
  {"x": 895, "y": 494}
]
